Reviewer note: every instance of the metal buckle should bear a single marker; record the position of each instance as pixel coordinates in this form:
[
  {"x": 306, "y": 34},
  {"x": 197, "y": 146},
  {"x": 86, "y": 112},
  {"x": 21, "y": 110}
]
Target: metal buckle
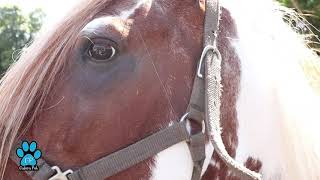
[
  {"x": 185, "y": 117},
  {"x": 215, "y": 52},
  {"x": 60, "y": 175}
]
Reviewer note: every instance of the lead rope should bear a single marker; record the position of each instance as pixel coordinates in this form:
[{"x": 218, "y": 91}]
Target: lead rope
[{"x": 213, "y": 91}]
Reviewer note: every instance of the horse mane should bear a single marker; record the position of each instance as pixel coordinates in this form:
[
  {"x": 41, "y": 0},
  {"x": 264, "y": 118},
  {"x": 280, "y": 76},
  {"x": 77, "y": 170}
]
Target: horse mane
[
  {"x": 27, "y": 84},
  {"x": 278, "y": 53}
]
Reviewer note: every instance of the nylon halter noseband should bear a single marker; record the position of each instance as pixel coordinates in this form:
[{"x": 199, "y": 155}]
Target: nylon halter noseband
[{"x": 203, "y": 108}]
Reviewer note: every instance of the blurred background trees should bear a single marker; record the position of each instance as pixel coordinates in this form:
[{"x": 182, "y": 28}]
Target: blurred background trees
[
  {"x": 16, "y": 30},
  {"x": 310, "y": 10}
]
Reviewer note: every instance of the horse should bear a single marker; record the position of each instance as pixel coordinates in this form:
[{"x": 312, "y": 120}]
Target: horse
[{"x": 113, "y": 72}]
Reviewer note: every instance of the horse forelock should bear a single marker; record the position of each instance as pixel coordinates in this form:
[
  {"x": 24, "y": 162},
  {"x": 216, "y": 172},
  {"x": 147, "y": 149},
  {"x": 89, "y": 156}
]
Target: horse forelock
[{"x": 27, "y": 84}]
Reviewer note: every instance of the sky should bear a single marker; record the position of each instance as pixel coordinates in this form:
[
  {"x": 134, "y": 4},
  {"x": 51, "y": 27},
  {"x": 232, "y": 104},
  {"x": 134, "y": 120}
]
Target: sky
[{"x": 54, "y": 9}]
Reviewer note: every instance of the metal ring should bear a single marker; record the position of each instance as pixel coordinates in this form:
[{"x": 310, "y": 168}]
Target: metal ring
[
  {"x": 59, "y": 175},
  {"x": 215, "y": 52},
  {"x": 184, "y": 117}
]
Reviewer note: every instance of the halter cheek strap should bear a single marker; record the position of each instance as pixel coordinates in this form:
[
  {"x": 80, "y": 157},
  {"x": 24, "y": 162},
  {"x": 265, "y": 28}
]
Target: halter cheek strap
[
  {"x": 203, "y": 108},
  {"x": 206, "y": 95}
]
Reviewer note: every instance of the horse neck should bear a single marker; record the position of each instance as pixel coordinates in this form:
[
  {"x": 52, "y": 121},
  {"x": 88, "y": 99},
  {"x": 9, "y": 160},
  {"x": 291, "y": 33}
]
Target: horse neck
[{"x": 276, "y": 106}]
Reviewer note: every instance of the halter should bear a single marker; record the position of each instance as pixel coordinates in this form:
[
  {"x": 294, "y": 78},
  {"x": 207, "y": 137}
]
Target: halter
[{"x": 203, "y": 109}]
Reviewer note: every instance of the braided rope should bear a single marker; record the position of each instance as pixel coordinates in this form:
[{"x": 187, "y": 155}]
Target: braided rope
[{"x": 213, "y": 92}]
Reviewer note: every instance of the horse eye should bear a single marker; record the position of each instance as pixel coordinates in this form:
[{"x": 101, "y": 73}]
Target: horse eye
[{"x": 101, "y": 52}]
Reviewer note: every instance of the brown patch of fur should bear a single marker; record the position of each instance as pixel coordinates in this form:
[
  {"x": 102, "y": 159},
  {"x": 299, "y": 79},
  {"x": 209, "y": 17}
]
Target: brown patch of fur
[
  {"x": 253, "y": 164},
  {"x": 101, "y": 108},
  {"x": 79, "y": 118}
]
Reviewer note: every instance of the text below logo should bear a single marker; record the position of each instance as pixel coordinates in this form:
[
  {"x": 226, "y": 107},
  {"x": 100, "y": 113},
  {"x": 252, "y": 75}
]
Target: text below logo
[{"x": 29, "y": 155}]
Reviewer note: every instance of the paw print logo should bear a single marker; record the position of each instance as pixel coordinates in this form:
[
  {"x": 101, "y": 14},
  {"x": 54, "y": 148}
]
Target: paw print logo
[{"x": 29, "y": 154}]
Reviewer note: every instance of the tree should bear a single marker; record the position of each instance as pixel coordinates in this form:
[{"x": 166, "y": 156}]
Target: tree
[
  {"x": 16, "y": 31},
  {"x": 310, "y": 10}
]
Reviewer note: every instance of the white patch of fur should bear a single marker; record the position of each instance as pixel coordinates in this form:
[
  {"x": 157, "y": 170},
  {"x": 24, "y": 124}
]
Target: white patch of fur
[
  {"x": 120, "y": 26},
  {"x": 215, "y": 163},
  {"x": 207, "y": 161},
  {"x": 277, "y": 109},
  {"x": 173, "y": 163},
  {"x": 176, "y": 161}
]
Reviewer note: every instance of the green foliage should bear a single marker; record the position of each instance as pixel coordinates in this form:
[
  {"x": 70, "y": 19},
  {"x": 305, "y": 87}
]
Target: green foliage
[
  {"x": 310, "y": 10},
  {"x": 16, "y": 31}
]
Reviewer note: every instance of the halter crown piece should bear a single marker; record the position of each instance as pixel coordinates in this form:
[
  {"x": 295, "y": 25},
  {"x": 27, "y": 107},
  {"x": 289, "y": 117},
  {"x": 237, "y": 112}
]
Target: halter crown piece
[{"x": 203, "y": 108}]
